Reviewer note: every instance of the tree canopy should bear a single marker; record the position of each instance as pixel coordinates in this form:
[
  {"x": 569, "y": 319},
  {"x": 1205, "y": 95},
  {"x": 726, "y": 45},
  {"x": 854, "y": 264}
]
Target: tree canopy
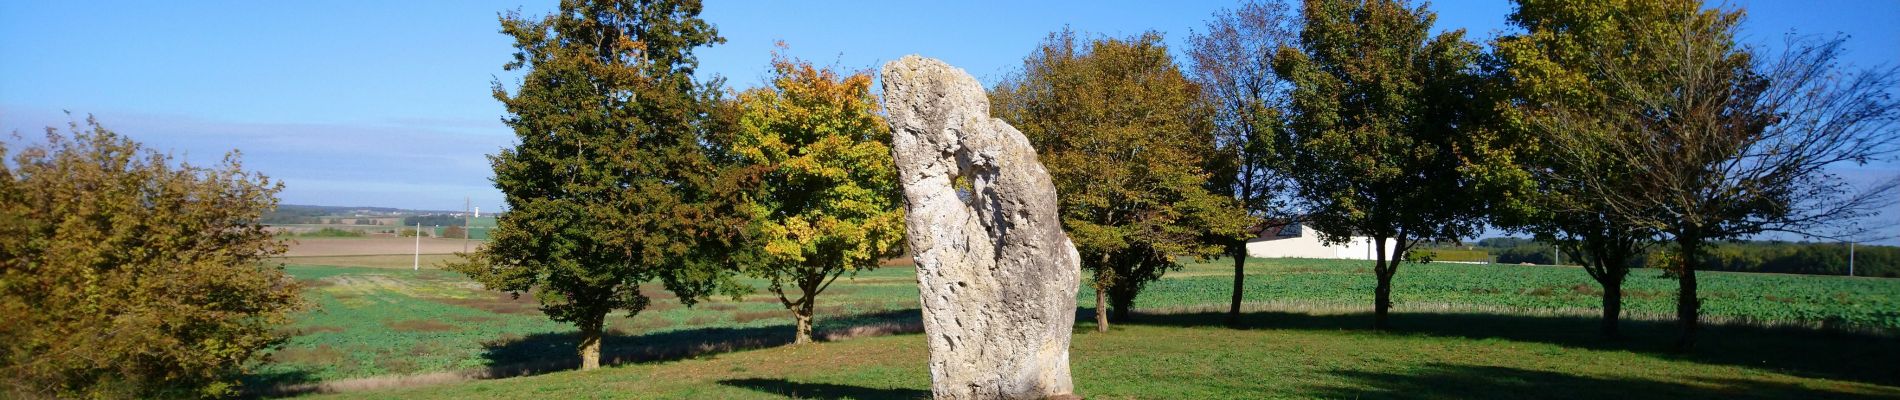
[
  {"x": 1233, "y": 64},
  {"x": 1658, "y": 120},
  {"x": 125, "y": 273},
  {"x": 1129, "y": 144},
  {"x": 828, "y": 204},
  {"x": 612, "y": 183},
  {"x": 1387, "y": 127}
]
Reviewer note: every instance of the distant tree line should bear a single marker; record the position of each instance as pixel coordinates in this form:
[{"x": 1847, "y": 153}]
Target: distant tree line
[{"x": 433, "y": 220}]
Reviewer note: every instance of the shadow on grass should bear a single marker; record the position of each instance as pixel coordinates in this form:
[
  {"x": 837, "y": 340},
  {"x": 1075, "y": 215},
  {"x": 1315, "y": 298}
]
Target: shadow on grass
[
  {"x": 553, "y": 352},
  {"x": 798, "y": 390},
  {"x": 540, "y": 353},
  {"x": 1443, "y": 381},
  {"x": 1802, "y": 352}
]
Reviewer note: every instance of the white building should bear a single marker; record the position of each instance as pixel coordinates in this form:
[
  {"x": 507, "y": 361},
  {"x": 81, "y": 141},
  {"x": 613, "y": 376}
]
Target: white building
[{"x": 1300, "y": 241}]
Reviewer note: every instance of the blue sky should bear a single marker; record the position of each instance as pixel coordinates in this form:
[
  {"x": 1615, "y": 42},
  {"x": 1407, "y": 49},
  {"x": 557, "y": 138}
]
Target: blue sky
[{"x": 387, "y": 103}]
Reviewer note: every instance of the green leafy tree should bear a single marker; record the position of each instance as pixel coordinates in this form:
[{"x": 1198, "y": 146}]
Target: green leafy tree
[
  {"x": 1565, "y": 74},
  {"x": 1384, "y": 119},
  {"x": 1723, "y": 141},
  {"x": 1129, "y": 143},
  {"x": 828, "y": 201},
  {"x": 611, "y": 183},
  {"x": 1232, "y": 61},
  {"x": 127, "y": 274}
]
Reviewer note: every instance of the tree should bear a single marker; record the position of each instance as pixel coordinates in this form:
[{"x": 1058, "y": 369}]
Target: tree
[
  {"x": 1725, "y": 141},
  {"x": 1563, "y": 73},
  {"x": 1233, "y": 63},
  {"x": 1386, "y": 124},
  {"x": 611, "y": 183},
  {"x": 454, "y": 232},
  {"x": 828, "y": 203},
  {"x": 1129, "y": 143},
  {"x": 127, "y": 274}
]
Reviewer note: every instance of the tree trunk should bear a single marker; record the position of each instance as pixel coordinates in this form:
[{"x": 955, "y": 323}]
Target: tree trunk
[
  {"x": 1612, "y": 307},
  {"x": 590, "y": 344},
  {"x": 1688, "y": 305},
  {"x": 803, "y": 316},
  {"x": 1101, "y": 310},
  {"x": 1382, "y": 301},
  {"x": 1240, "y": 280},
  {"x": 1118, "y": 308},
  {"x": 1381, "y": 294}
]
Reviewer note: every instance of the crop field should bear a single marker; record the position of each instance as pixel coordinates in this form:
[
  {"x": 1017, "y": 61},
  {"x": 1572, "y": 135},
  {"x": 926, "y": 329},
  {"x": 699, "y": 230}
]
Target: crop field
[
  {"x": 1318, "y": 285},
  {"x": 375, "y": 319},
  {"x": 311, "y": 247}
]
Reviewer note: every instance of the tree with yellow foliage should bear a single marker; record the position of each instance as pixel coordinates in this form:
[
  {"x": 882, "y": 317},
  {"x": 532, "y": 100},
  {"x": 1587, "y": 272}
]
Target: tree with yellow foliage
[{"x": 827, "y": 203}]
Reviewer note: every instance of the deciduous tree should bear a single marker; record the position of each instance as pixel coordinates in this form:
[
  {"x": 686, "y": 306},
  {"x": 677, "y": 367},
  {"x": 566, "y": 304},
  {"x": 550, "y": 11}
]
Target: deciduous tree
[
  {"x": 1129, "y": 144},
  {"x": 1724, "y": 141},
  {"x": 125, "y": 273},
  {"x": 612, "y": 183},
  {"x": 1385, "y": 122},
  {"x": 827, "y": 202},
  {"x": 1233, "y": 63}
]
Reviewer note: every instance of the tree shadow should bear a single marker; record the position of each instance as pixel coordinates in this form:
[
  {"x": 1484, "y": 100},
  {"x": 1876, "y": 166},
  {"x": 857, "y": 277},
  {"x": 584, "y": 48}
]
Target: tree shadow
[
  {"x": 799, "y": 390},
  {"x": 1444, "y": 381},
  {"x": 541, "y": 353},
  {"x": 272, "y": 384},
  {"x": 1806, "y": 352}
]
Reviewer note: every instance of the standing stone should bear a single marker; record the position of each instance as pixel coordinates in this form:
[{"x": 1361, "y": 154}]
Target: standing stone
[{"x": 996, "y": 273}]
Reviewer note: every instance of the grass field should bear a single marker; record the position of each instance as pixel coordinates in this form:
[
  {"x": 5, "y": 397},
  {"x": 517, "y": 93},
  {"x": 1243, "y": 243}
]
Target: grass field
[{"x": 1513, "y": 326}]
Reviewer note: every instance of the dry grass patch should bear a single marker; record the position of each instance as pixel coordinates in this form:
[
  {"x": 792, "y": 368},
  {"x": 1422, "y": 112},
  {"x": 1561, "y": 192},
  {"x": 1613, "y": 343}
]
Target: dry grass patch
[
  {"x": 323, "y": 354},
  {"x": 499, "y": 303},
  {"x": 749, "y": 316}
]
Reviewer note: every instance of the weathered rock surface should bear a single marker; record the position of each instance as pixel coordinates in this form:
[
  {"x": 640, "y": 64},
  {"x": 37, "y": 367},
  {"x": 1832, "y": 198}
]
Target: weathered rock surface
[{"x": 997, "y": 274}]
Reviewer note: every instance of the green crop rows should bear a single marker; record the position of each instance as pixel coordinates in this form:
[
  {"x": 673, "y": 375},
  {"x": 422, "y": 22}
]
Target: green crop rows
[{"x": 1804, "y": 299}]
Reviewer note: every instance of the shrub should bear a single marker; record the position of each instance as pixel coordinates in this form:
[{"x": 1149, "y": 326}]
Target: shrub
[{"x": 124, "y": 275}]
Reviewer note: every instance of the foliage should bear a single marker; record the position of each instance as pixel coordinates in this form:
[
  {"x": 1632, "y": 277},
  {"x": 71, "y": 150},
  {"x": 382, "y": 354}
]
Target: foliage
[
  {"x": 125, "y": 273},
  {"x": 453, "y": 232},
  {"x": 1129, "y": 144},
  {"x": 829, "y": 203},
  {"x": 1389, "y": 128},
  {"x": 1565, "y": 72},
  {"x": 1233, "y": 64},
  {"x": 1713, "y": 140},
  {"x": 610, "y": 184}
]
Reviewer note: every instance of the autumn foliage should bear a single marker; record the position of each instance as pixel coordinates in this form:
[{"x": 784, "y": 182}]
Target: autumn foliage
[{"x": 127, "y": 274}]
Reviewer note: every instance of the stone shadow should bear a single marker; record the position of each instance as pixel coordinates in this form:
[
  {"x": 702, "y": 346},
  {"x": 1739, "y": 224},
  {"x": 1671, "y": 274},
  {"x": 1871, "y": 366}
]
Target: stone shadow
[{"x": 797, "y": 390}]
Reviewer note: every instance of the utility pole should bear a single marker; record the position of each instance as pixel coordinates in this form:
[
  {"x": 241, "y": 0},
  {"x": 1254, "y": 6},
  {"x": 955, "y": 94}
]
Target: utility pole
[
  {"x": 468, "y": 220},
  {"x": 1850, "y": 258},
  {"x": 417, "y": 266}
]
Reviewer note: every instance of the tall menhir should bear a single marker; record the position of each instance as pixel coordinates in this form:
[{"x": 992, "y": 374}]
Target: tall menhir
[{"x": 996, "y": 274}]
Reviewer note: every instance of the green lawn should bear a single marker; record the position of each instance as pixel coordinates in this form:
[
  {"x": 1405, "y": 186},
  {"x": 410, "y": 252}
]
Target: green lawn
[
  {"x": 1185, "y": 357},
  {"x": 374, "y": 321}
]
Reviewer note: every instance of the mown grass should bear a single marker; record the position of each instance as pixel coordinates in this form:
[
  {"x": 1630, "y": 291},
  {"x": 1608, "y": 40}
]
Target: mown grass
[{"x": 378, "y": 321}]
